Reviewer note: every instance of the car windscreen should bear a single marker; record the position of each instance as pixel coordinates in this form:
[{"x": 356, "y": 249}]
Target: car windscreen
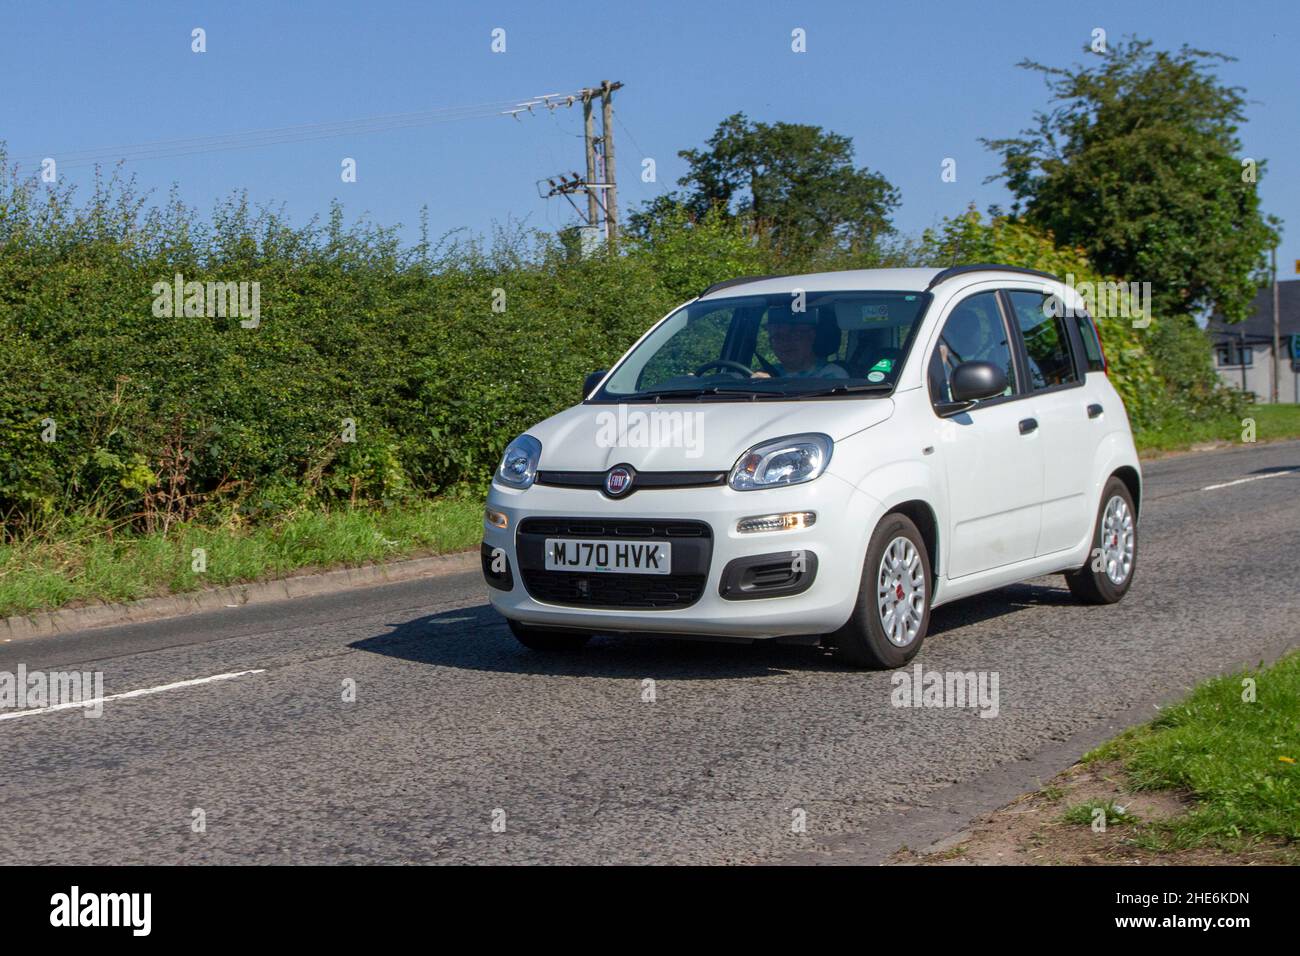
[{"x": 786, "y": 346}]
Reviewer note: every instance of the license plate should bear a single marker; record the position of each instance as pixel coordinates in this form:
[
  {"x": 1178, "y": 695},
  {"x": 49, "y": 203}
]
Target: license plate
[{"x": 619, "y": 557}]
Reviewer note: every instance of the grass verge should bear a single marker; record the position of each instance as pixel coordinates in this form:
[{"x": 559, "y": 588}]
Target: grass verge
[
  {"x": 87, "y": 565},
  {"x": 1272, "y": 423},
  {"x": 1233, "y": 746}
]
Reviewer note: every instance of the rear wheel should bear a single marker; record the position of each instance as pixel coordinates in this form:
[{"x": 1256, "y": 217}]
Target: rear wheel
[
  {"x": 547, "y": 640},
  {"x": 1112, "y": 561},
  {"x": 892, "y": 613}
]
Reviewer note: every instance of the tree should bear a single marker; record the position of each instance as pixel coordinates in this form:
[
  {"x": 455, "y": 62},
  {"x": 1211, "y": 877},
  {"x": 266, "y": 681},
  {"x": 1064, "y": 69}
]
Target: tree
[
  {"x": 1139, "y": 164},
  {"x": 794, "y": 183}
]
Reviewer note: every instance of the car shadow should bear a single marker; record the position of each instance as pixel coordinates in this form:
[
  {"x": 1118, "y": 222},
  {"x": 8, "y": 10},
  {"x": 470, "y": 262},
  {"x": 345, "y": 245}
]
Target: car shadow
[
  {"x": 1002, "y": 603},
  {"x": 477, "y": 639}
]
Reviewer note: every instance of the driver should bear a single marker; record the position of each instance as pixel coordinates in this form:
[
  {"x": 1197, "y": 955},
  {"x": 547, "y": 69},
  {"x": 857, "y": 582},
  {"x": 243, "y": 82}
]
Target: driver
[
  {"x": 976, "y": 337},
  {"x": 792, "y": 335}
]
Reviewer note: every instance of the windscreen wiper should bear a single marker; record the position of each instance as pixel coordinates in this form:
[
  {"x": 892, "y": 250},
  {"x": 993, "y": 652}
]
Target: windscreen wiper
[
  {"x": 702, "y": 391},
  {"x": 844, "y": 390}
]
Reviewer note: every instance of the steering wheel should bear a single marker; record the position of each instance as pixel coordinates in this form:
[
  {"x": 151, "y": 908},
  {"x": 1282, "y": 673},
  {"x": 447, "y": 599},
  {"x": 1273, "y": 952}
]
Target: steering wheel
[{"x": 725, "y": 364}]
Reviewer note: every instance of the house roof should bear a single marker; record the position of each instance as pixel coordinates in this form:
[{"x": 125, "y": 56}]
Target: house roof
[{"x": 1259, "y": 326}]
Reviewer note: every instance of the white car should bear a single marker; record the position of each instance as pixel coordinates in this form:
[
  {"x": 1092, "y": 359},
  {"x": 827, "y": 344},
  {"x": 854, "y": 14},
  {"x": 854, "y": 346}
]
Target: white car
[{"x": 830, "y": 454}]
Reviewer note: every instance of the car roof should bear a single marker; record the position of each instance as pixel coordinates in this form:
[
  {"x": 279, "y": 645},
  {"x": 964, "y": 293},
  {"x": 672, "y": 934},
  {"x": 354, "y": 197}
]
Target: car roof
[
  {"x": 865, "y": 280},
  {"x": 861, "y": 280}
]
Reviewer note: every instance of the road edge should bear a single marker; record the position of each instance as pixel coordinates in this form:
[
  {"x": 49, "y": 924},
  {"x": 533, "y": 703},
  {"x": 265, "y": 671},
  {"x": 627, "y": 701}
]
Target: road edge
[
  {"x": 64, "y": 620},
  {"x": 1210, "y": 448}
]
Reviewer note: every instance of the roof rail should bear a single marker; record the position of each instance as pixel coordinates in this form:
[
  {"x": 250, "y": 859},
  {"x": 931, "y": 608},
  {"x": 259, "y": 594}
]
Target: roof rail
[
  {"x": 955, "y": 271},
  {"x": 728, "y": 283}
]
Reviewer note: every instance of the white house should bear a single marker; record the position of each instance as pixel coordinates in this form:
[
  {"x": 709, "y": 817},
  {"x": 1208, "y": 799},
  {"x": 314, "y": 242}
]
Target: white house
[{"x": 1243, "y": 351}]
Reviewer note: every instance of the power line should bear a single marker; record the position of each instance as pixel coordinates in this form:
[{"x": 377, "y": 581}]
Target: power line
[{"x": 251, "y": 139}]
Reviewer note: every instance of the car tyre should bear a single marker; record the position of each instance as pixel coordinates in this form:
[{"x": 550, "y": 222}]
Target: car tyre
[
  {"x": 1112, "y": 560},
  {"x": 547, "y": 640},
  {"x": 892, "y": 613}
]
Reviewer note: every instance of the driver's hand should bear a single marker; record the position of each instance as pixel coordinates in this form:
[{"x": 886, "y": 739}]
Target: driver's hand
[{"x": 759, "y": 375}]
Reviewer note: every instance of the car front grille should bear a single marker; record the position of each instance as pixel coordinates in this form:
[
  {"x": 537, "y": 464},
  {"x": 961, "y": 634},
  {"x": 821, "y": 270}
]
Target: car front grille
[
  {"x": 692, "y": 543},
  {"x": 630, "y": 591}
]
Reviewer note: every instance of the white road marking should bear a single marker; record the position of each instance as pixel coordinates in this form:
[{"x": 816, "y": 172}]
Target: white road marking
[
  {"x": 1242, "y": 481},
  {"x": 143, "y": 692}
]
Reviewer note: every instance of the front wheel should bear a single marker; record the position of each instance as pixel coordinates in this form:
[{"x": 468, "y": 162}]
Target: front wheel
[
  {"x": 1113, "y": 558},
  {"x": 547, "y": 640},
  {"x": 892, "y": 613}
]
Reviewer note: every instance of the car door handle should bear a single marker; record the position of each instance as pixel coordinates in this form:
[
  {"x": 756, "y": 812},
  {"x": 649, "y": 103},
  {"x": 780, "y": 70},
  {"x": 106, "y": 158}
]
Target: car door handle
[
  {"x": 1094, "y": 411},
  {"x": 1028, "y": 425}
]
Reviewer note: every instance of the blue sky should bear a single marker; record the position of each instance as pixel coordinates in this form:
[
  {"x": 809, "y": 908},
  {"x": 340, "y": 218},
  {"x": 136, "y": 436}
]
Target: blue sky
[{"x": 911, "y": 83}]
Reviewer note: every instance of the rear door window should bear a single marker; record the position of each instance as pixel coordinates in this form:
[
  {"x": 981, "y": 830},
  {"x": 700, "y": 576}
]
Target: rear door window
[
  {"x": 1093, "y": 357},
  {"x": 1047, "y": 340}
]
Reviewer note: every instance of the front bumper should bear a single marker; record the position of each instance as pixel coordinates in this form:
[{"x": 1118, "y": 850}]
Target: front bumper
[{"x": 835, "y": 545}]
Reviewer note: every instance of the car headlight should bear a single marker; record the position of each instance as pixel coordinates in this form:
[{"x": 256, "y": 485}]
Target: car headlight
[
  {"x": 519, "y": 464},
  {"x": 782, "y": 461}
]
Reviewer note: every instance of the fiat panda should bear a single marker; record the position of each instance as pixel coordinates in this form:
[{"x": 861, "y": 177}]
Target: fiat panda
[{"x": 831, "y": 455}]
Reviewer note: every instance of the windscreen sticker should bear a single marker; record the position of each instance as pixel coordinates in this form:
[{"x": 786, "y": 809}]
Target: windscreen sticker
[
  {"x": 876, "y": 377},
  {"x": 884, "y": 365}
]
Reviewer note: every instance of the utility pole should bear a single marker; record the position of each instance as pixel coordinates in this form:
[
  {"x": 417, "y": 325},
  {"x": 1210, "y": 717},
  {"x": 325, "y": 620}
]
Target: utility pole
[
  {"x": 1277, "y": 330},
  {"x": 611, "y": 182},
  {"x": 1241, "y": 357},
  {"x": 600, "y": 183},
  {"x": 589, "y": 145}
]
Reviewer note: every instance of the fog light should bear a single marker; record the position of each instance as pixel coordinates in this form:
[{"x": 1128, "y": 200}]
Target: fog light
[
  {"x": 495, "y": 518},
  {"x": 788, "y": 521}
]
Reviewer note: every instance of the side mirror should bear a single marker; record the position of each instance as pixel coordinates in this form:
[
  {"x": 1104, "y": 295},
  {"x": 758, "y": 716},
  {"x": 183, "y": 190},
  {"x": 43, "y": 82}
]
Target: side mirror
[
  {"x": 975, "y": 381},
  {"x": 591, "y": 381},
  {"x": 972, "y": 382}
]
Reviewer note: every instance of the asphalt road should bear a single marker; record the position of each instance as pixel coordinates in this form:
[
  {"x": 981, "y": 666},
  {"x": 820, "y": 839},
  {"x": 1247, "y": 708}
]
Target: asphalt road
[{"x": 453, "y": 721}]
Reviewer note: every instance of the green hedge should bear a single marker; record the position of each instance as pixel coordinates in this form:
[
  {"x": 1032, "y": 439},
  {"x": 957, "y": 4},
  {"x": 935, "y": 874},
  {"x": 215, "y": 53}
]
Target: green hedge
[{"x": 411, "y": 345}]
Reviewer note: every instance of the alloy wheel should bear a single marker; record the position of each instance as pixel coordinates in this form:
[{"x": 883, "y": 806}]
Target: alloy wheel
[{"x": 900, "y": 592}]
